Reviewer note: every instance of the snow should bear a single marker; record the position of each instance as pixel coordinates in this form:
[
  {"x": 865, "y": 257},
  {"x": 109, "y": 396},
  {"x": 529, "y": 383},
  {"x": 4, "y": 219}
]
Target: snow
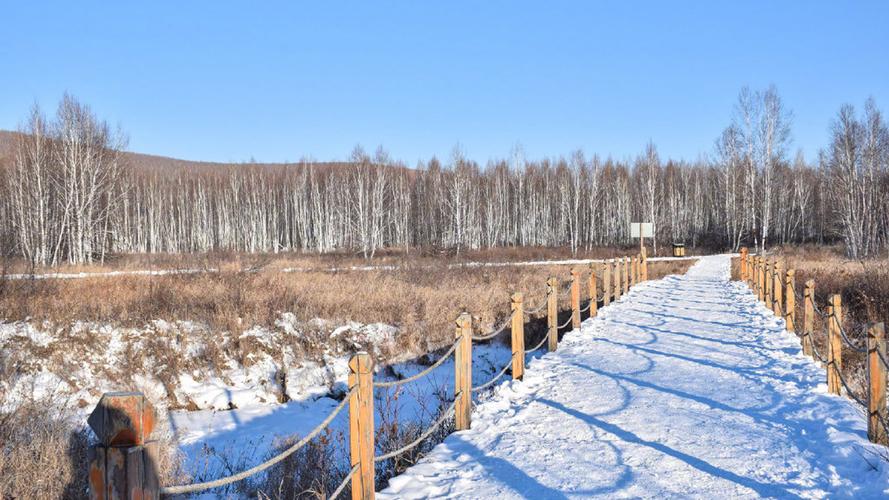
[
  {"x": 563, "y": 262},
  {"x": 211, "y": 441},
  {"x": 107, "y": 274},
  {"x": 686, "y": 387}
]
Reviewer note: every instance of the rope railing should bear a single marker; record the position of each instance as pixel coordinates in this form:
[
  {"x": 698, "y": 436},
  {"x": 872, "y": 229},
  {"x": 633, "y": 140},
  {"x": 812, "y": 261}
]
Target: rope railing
[
  {"x": 427, "y": 371},
  {"x": 847, "y": 340},
  {"x": 448, "y": 413},
  {"x": 778, "y": 292},
  {"x": 849, "y": 391},
  {"x": 193, "y": 488},
  {"x": 360, "y": 397},
  {"x": 490, "y": 335},
  {"x": 535, "y": 310},
  {"x": 491, "y": 382},
  {"x": 339, "y": 489},
  {"x": 539, "y": 345},
  {"x": 817, "y": 354}
]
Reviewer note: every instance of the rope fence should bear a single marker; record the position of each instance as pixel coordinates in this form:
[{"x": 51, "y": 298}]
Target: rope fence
[
  {"x": 617, "y": 278},
  {"x": 777, "y": 290}
]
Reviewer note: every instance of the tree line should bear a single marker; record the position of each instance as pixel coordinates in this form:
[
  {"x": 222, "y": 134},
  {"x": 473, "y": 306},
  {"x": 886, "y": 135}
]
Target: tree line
[{"x": 68, "y": 195}]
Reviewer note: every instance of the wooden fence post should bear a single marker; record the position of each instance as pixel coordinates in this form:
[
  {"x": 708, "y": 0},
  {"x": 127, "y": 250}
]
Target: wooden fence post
[
  {"x": 463, "y": 371},
  {"x": 575, "y": 298},
  {"x": 760, "y": 278},
  {"x": 518, "y": 337},
  {"x": 749, "y": 279},
  {"x": 626, "y": 283},
  {"x": 767, "y": 297},
  {"x": 834, "y": 344},
  {"x": 644, "y": 264},
  {"x": 617, "y": 280},
  {"x": 606, "y": 283},
  {"x": 743, "y": 264},
  {"x": 777, "y": 294},
  {"x": 124, "y": 463},
  {"x": 876, "y": 392},
  {"x": 552, "y": 313},
  {"x": 635, "y": 270},
  {"x": 751, "y": 272},
  {"x": 790, "y": 301},
  {"x": 808, "y": 317},
  {"x": 361, "y": 426},
  {"x": 632, "y": 272},
  {"x": 594, "y": 292}
]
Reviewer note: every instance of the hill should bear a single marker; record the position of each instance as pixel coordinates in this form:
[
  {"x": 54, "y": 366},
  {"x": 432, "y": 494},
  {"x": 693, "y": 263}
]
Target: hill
[{"x": 149, "y": 162}]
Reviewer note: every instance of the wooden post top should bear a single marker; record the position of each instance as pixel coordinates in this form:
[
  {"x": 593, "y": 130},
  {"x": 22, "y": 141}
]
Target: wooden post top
[
  {"x": 517, "y": 297},
  {"x": 810, "y": 284},
  {"x": 574, "y": 273},
  {"x": 122, "y": 419},
  {"x": 552, "y": 282},
  {"x": 464, "y": 319},
  {"x": 361, "y": 362},
  {"x": 876, "y": 331},
  {"x": 836, "y": 300}
]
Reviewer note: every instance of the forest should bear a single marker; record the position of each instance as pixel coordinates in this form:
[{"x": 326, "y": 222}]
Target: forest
[{"x": 69, "y": 196}]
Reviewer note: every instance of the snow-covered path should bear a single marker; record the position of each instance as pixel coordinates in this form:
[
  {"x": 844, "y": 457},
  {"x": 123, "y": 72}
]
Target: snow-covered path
[{"x": 687, "y": 387}]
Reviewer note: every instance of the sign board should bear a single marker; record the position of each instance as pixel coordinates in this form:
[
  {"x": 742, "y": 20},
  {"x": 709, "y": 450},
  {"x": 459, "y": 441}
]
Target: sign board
[{"x": 641, "y": 230}]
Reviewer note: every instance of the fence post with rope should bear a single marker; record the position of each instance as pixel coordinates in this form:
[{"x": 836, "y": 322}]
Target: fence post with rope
[
  {"x": 790, "y": 297},
  {"x": 808, "y": 317},
  {"x": 644, "y": 264},
  {"x": 606, "y": 282},
  {"x": 633, "y": 271},
  {"x": 361, "y": 426},
  {"x": 777, "y": 294},
  {"x": 834, "y": 344},
  {"x": 760, "y": 277},
  {"x": 626, "y": 282},
  {"x": 463, "y": 373},
  {"x": 750, "y": 273},
  {"x": 767, "y": 295},
  {"x": 637, "y": 270},
  {"x": 743, "y": 264},
  {"x": 575, "y": 298},
  {"x": 617, "y": 280},
  {"x": 876, "y": 388},
  {"x": 518, "y": 337},
  {"x": 552, "y": 313},
  {"x": 594, "y": 292}
]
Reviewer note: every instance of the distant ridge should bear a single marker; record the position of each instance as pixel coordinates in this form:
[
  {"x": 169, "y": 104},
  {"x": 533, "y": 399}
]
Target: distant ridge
[{"x": 150, "y": 162}]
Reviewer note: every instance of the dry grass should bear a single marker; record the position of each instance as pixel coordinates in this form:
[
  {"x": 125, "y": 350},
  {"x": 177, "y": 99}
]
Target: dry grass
[
  {"x": 420, "y": 257},
  {"x": 421, "y": 299},
  {"x": 43, "y": 453}
]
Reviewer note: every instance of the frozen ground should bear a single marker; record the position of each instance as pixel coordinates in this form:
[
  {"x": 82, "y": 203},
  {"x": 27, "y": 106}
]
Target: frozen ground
[{"x": 687, "y": 387}]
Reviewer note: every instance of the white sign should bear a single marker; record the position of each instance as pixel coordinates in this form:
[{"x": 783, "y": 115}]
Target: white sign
[{"x": 641, "y": 230}]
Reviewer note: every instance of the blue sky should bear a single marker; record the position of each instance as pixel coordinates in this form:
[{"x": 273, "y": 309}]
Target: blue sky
[{"x": 227, "y": 81}]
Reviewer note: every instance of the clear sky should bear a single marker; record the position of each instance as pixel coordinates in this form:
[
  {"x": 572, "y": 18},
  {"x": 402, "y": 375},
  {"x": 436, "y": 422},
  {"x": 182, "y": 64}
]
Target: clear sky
[{"x": 227, "y": 81}]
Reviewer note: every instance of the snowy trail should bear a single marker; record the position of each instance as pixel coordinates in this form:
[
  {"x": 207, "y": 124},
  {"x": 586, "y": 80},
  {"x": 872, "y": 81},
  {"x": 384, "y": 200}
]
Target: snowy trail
[{"x": 687, "y": 387}]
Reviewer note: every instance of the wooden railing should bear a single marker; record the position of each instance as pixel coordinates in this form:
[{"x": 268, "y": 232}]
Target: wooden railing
[
  {"x": 123, "y": 464},
  {"x": 776, "y": 288}
]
